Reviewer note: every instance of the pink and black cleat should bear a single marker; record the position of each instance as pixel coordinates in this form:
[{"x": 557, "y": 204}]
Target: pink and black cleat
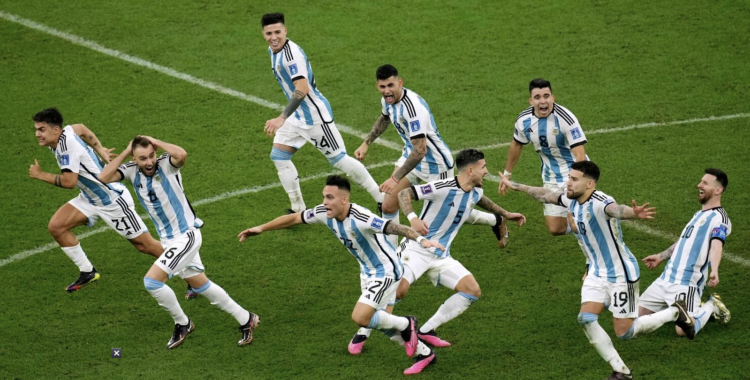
[
  {"x": 432, "y": 339},
  {"x": 409, "y": 334},
  {"x": 420, "y": 363},
  {"x": 357, "y": 344}
]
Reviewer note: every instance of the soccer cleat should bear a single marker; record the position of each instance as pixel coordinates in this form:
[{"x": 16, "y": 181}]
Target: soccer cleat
[
  {"x": 684, "y": 321},
  {"x": 409, "y": 334},
  {"x": 248, "y": 328},
  {"x": 420, "y": 363},
  {"x": 432, "y": 339},
  {"x": 191, "y": 293},
  {"x": 619, "y": 376},
  {"x": 357, "y": 343},
  {"x": 500, "y": 230},
  {"x": 723, "y": 315},
  {"x": 84, "y": 279},
  {"x": 180, "y": 333}
]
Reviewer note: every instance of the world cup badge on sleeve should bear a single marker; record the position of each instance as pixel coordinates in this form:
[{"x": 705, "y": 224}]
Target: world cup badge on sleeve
[
  {"x": 576, "y": 132},
  {"x": 426, "y": 189}
]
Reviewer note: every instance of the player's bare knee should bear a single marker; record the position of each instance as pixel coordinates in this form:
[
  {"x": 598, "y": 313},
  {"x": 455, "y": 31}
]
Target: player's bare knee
[
  {"x": 473, "y": 290},
  {"x": 403, "y": 288},
  {"x": 360, "y": 320},
  {"x": 55, "y": 229},
  {"x": 389, "y": 208}
]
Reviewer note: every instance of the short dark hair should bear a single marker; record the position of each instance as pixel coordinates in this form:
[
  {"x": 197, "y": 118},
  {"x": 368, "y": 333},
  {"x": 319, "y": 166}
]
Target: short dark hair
[
  {"x": 721, "y": 177},
  {"x": 540, "y": 83},
  {"x": 141, "y": 142},
  {"x": 339, "y": 181},
  {"x": 50, "y": 116},
  {"x": 467, "y": 157},
  {"x": 272, "y": 18},
  {"x": 588, "y": 168},
  {"x": 386, "y": 71}
]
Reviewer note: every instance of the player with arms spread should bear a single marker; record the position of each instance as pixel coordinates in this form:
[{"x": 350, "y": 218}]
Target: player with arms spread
[
  {"x": 362, "y": 233},
  {"x": 158, "y": 185},
  {"x": 699, "y": 247},
  {"x": 612, "y": 270},
  {"x": 558, "y": 139},
  {"x": 307, "y": 118},
  {"x": 80, "y": 167}
]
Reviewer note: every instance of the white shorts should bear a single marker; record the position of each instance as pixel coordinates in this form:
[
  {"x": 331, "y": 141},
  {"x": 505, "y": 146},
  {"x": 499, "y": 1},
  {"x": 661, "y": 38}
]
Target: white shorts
[
  {"x": 662, "y": 294},
  {"x": 443, "y": 271},
  {"x": 378, "y": 292},
  {"x": 555, "y": 210},
  {"x": 325, "y": 137},
  {"x": 620, "y": 297},
  {"x": 415, "y": 176},
  {"x": 120, "y": 214},
  {"x": 181, "y": 255}
]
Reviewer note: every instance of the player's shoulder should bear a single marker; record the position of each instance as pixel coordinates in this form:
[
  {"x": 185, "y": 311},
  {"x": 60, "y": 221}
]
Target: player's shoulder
[
  {"x": 412, "y": 102},
  {"x": 360, "y": 213},
  {"x": 292, "y": 51},
  {"x": 601, "y": 197},
  {"x": 564, "y": 113},
  {"x": 721, "y": 214},
  {"x": 525, "y": 113},
  {"x": 69, "y": 140},
  {"x": 445, "y": 183}
]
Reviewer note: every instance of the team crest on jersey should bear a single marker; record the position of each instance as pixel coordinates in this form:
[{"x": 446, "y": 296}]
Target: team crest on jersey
[
  {"x": 414, "y": 125},
  {"x": 64, "y": 159},
  {"x": 702, "y": 222},
  {"x": 426, "y": 189},
  {"x": 293, "y": 69},
  {"x": 576, "y": 132},
  {"x": 157, "y": 178},
  {"x": 588, "y": 216},
  {"x": 377, "y": 223},
  {"x": 555, "y": 132}
]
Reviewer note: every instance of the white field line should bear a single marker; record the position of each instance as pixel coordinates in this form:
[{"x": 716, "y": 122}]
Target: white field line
[
  {"x": 262, "y": 102},
  {"x": 172, "y": 72},
  {"x": 205, "y": 201}
]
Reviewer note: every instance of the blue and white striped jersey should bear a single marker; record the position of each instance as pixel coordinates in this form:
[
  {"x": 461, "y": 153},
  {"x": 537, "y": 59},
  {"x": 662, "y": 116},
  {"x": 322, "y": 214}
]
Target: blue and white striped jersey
[
  {"x": 600, "y": 237},
  {"x": 445, "y": 210},
  {"x": 413, "y": 119},
  {"x": 163, "y": 197},
  {"x": 362, "y": 234},
  {"x": 75, "y": 156},
  {"x": 553, "y": 137},
  {"x": 689, "y": 262},
  {"x": 290, "y": 64}
]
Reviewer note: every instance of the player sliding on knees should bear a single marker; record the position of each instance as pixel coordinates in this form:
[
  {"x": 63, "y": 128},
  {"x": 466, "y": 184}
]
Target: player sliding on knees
[
  {"x": 159, "y": 186},
  {"x": 80, "y": 167},
  {"x": 612, "y": 272},
  {"x": 362, "y": 233},
  {"x": 447, "y": 204}
]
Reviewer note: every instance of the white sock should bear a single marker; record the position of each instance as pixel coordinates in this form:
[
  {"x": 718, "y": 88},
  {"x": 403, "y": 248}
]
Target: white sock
[
  {"x": 477, "y": 217},
  {"x": 289, "y": 178},
  {"x": 703, "y": 314},
  {"x": 382, "y": 320},
  {"x": 601, "y": 342},
  {"x": 393, "y": 218},
  {"x": 79, "y": 257},
  {"x": 364, "y": 331},
  {"x": 359, "y": 174},
  {"x": 219, "y": 297},
  {"x": 167, "y": 299},
  {"x": 451, "y": 308},
  {"x": 648, "y": 323},
  {"x": 395, "y": 336}
]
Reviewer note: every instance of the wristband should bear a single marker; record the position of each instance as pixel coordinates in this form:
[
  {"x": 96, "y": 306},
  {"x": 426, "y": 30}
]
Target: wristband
[
  {"x": 394, "y": 178},
  {"x": 419, "y": 239},
  {"x": 411, "y": 216},
  {"x": 507, "y": 173}
]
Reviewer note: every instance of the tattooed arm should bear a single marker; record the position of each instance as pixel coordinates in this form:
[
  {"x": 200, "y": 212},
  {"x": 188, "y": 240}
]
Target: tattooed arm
[
  {"x": 66, "y": 180},
  {"x": 414, "y": 158},
  {"x": 392, "y": 228},
  {"x": 653, "y": 261},
  {"x": 626, "y": 212},
  {"x": 489, "y": 205},
  {"x": 90, "y": 138},
  {"x": 539, "y": 193},
  {"x": 301, "y": 88},
  {"x": 377, "y": 129},
  {"x": 405, "y": 197}
]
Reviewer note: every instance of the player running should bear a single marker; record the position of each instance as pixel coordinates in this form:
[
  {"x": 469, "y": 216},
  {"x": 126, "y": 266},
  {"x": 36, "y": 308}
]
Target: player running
[
  {"x": 613, "y": 272},
  {"x": 699, "y": 247},
  {"x": 558, "y": 139},
  {"x": 158, "y": 184},
  {"x": 80, "y": 167},
  {"x": 362, "y": 233},
  {"x": 312, "y": 119}
]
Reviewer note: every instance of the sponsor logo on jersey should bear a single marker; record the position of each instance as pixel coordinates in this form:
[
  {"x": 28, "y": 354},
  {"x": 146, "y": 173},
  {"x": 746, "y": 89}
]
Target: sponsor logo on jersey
[
  {"x": 414, "y": 125},
  {"x": 293, "y": 69},
  {"x": 64, "y": 159},
  {"x": 576, "y": 132},
  {"x": 377, "y": 223},
  {"x": 426, "y": 189}
]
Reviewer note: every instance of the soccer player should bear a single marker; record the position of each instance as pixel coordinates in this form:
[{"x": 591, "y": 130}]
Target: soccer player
[
  {"x": 447, "y": 204},
  {"x": 80, "y": 167},
  {"x": 699, "y": 247},
  {"x": 558, "y": 139},
  {"x": 613, "y": 273},
  {"x": 425, "y": 155},
  {"x": 158, "y": 184},
  {"x": 307, "y": 117},
  {"x": 362, "y": 233}
]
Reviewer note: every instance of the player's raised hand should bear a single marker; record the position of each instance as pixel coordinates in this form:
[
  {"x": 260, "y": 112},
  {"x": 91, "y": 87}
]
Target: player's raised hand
[
  {"x": 108, "y": 154},
  {"x": 388, "y": 185},
  {"x": 35, "y": 169},
  {"x": 431, "y": 244},
  {"x": 505, "y": 184},
  {"x": 255, "y": 231},
  {"x": 713, "y": 279},
  {"x": 518, "y": 218},
  {"x": 361, "y": 152},
  {"x": 643, "y": 212},
  {"x": 652, "y": 261},
  {"x": 420, "y": 226},
  {"x": 273, "y": 125}
]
